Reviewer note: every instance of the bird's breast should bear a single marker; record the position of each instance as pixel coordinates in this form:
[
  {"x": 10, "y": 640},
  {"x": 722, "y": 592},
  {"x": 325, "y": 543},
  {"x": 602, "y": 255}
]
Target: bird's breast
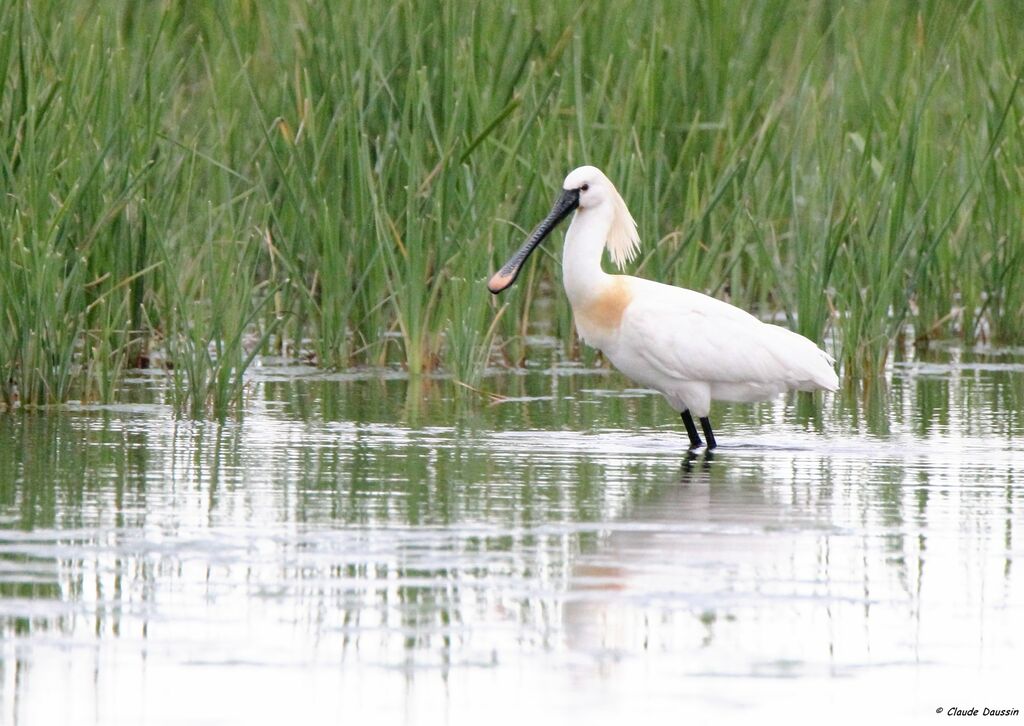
[{"x": 599, "y": 316}]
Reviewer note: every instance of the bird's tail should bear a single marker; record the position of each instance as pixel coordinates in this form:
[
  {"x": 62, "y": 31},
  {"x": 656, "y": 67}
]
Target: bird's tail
[
  {"x": 820, "y": 370},
  {"x": 811, "y": 368}
]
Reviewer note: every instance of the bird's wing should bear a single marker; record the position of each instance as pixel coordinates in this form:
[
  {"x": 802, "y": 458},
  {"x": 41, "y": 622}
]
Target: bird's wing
[{"x": 687, "y": 336}]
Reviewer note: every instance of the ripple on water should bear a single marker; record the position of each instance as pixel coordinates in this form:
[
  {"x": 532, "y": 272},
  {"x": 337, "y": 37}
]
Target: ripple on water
[{"x": 347, "y": 541}]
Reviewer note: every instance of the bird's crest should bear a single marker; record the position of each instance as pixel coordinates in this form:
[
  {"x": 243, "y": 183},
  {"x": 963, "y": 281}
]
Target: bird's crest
[{"x": 623, "y": 241}]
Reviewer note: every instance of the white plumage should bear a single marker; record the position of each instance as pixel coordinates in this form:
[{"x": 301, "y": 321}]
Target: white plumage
[
  {"x": 688, "y": 346},
  {"x": 694, "y": 348}
]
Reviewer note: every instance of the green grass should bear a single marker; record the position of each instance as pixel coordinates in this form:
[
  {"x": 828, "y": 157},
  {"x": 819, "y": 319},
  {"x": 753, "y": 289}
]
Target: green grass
[{"x": 210, "y": 181}]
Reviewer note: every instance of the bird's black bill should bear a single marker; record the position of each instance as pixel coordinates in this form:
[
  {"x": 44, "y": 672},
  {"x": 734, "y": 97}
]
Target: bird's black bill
[{"x": 504, "y": 277}]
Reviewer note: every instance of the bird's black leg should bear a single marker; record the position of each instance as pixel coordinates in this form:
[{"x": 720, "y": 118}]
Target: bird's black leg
[
  {"x": 691, "y": 430},
  {"x": 705, "y": 423}
]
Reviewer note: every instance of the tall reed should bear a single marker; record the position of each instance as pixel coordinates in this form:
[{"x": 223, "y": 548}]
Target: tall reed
[{"x": 200, "y": 183}]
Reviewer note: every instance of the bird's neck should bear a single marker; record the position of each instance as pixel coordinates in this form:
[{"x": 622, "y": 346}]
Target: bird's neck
[{"x": 581, "y": 257}]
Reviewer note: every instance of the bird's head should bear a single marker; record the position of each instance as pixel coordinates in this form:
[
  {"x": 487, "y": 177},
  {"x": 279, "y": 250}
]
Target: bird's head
[{"x": 587, "y": 189}]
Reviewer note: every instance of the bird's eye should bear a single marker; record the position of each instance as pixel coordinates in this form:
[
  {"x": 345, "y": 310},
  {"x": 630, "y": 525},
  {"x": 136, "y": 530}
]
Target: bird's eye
[{"x": 585, "y": 187}]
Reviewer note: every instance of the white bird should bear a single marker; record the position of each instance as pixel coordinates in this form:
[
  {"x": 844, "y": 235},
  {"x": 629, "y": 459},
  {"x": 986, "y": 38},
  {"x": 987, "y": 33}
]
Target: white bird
[{"x": 689, "y": 347}]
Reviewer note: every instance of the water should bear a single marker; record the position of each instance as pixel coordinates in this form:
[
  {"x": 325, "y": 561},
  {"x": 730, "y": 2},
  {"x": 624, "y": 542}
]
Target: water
[{"x": 361, "y": 549}]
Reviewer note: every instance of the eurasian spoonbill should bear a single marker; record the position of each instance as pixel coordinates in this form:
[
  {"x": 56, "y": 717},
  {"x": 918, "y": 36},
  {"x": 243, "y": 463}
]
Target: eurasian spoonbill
[{"x": 689, "y": 347}]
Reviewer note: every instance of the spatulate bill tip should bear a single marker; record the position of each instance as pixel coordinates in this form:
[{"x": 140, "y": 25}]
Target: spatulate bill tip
[{"x": 500, "y": 281}]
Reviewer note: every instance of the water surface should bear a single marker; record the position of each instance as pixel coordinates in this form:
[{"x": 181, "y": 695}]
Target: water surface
[{"x": 359, "y": 548}]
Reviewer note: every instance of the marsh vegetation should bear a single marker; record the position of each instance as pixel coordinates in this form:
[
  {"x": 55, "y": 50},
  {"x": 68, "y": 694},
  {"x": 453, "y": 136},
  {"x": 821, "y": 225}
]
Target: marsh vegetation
[{"x": 194, "y": 185}]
